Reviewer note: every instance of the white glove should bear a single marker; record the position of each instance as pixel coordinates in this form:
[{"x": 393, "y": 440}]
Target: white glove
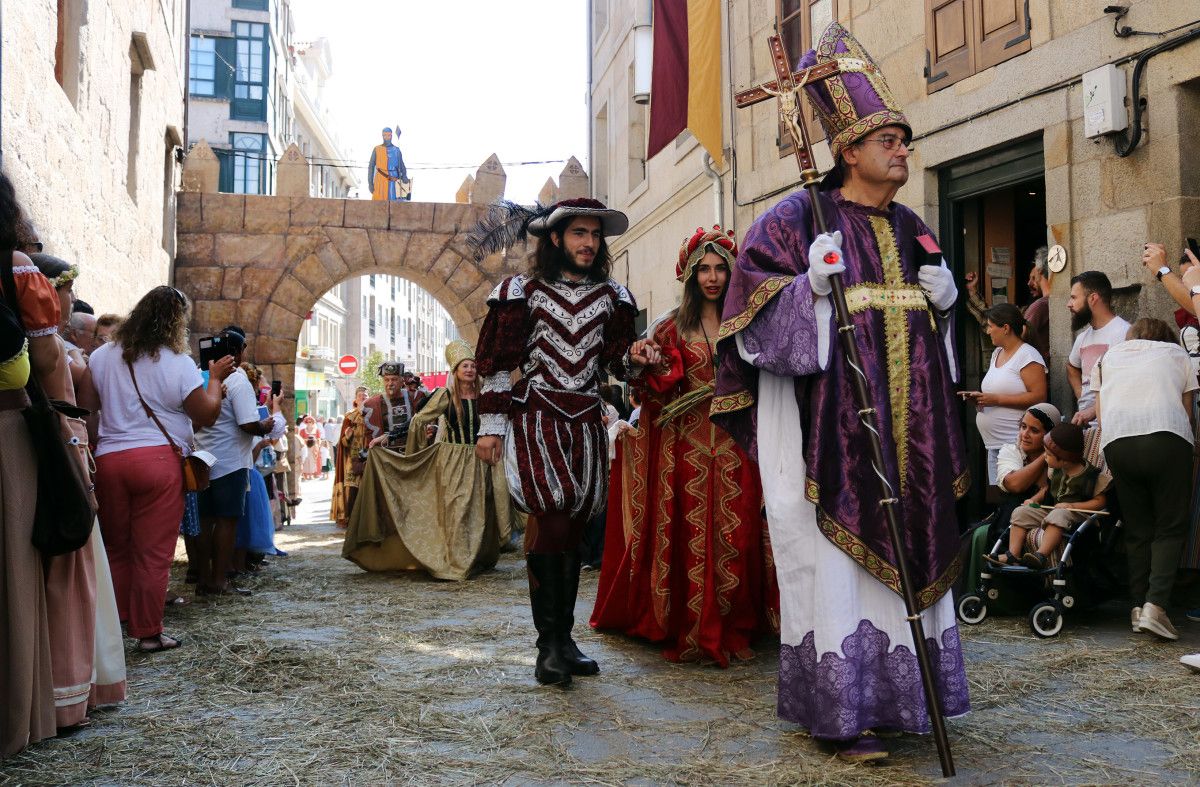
[
  {"x": 938, "y": 283},
  {"x": 819, "y": 270}
]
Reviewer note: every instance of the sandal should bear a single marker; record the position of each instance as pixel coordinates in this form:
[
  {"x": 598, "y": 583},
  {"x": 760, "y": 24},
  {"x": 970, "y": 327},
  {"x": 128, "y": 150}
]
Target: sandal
[
  {"x": 164, "y": 643},
  {"x": 1035, "y": 560},
  {"x": 176, "y": 601},
  {"x": 1010, "y": 559}
]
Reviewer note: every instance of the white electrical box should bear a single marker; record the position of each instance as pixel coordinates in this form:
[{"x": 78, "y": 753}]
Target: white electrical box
[{"x": 1104, "y": 110}]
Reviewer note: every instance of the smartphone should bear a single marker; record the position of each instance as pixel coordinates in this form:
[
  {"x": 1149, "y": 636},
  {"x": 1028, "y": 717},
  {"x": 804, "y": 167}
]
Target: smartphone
[
  {"x": 1194, "y": 246},
  {"x": 212, "y": 348},
  {"x": 276, "y": 387}
]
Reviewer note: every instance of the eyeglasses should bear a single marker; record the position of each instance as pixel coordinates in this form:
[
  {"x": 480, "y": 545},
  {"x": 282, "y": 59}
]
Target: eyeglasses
[{"x": 891, "y": 142}]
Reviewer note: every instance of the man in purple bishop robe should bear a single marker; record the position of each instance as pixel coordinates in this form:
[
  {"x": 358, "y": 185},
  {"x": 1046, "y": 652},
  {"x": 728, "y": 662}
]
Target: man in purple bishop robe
[{"x": 848, "y": 673}]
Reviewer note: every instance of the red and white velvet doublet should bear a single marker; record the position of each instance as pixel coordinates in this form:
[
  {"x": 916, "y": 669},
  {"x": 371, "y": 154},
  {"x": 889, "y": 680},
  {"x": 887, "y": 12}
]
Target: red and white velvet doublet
[{"x": 563, "y": 337}]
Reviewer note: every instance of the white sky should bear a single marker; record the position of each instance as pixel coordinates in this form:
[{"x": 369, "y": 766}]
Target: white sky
[{"x": 463, "y": 79}]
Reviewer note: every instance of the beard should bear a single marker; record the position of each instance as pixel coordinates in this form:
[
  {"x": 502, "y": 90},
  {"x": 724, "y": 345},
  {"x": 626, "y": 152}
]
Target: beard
[
  {"x": 1082, "y": 318},
  {"x": 569, "y": 263}
]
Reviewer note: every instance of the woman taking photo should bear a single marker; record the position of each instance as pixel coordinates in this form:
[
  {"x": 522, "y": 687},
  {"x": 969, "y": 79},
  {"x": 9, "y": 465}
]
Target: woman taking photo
[
  {"x": 1145, "y": 387},
  {"x": 139, "y": 476},
  {"x": 687, "y": 562},
  {"x": 1015, "y": 380}
]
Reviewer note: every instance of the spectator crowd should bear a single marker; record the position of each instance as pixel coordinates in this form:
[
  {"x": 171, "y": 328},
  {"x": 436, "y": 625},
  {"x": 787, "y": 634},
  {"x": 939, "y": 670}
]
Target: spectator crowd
[
  {"x": 156, "y": 448},
  {"x": 1129, "y": 447}
]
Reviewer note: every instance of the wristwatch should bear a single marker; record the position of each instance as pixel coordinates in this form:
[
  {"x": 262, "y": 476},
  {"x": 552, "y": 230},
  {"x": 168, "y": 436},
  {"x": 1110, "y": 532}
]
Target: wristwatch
[
  {"x": 1163, "y": 271},
  {"x": 1195, "y": 290}
]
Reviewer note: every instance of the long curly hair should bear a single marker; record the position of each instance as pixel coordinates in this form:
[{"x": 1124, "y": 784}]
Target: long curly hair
[
  {"x": 159, "y": 319},
  {"x": 546, "y": 262}
]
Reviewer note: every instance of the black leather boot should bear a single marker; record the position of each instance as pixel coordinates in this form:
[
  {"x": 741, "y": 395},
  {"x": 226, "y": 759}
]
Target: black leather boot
[
  {"x": 545, "y": 589},
  {"x": 579, "y": 664}
]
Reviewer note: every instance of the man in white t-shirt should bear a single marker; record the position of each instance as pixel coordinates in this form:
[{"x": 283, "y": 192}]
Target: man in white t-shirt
[
  {"x": 231, "y": 440},
  {"x": 331, "y": 431},
  {"x": 1090, "y": 303}
]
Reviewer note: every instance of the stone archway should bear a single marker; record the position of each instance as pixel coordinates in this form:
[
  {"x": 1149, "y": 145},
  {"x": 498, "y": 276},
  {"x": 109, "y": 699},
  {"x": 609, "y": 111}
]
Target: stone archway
[{"x": 263, "y": 261}]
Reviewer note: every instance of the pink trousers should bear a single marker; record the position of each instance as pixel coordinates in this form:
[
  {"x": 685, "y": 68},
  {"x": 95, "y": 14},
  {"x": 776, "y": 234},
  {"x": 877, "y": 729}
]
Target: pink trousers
[{"x": 140, "y": 492}]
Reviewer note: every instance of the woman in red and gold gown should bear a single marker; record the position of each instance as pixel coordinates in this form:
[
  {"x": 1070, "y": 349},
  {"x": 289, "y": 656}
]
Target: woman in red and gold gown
[{"x": 687, "y": 561}]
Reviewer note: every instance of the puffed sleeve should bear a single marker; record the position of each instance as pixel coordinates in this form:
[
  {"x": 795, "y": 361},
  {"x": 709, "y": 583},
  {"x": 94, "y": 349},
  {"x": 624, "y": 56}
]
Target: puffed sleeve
[
  {"x": 667, "y": 336},
  {"x": 38, "y": 301},
  {"x": 501, "y": 345}
]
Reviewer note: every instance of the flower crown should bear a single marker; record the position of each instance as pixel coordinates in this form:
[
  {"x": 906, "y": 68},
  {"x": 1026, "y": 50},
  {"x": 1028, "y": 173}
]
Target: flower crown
[
  {"x": 66, "y": 277},
  {"x": 703, "y": 241}
]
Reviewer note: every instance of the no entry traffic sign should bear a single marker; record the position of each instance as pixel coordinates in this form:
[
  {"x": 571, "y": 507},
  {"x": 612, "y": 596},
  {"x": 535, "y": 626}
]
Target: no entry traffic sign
[{"x": 348, "y": 364}]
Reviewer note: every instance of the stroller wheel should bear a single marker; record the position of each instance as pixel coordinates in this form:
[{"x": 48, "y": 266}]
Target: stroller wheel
[
  {"x": 993, "y": 594},
  {"x": 972, "y": 609},
  {"x": 1068, "y": 602},
  {"x": 1046, "y": 619}
]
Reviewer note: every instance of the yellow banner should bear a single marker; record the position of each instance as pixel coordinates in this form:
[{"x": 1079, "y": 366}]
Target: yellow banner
[{"x": 704, "y": 76}]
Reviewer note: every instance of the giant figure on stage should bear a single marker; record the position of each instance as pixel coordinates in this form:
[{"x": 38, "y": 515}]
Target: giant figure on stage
[
  {"x": 386, "y": 173},
  {"x": 784, "y": 391}
]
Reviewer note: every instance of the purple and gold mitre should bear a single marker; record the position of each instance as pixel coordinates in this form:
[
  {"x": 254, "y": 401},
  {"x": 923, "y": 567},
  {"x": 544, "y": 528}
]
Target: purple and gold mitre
[{"x": 855, "y": 102}]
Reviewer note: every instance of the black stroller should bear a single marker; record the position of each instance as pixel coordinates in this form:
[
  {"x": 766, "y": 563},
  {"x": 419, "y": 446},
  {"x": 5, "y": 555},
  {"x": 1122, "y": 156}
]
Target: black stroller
[{"x": 1085, "y": 576}]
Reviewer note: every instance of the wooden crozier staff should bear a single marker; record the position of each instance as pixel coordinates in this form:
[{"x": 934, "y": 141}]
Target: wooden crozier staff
[{"x": 787, "y": 88}]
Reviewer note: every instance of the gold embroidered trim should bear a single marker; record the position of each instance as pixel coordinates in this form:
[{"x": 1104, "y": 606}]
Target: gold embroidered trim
[
  {"x": 879, "y": 568},
  {"x": 730, "y": 403},
  {"x": 761, "y": 296},
  {"x": 898, "y": 366},
  {"x": 962, "y": 484}
]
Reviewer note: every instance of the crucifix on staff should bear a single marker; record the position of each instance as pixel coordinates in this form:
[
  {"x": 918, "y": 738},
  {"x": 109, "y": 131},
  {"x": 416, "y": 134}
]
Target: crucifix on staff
[{"x": 840, "y": 257}]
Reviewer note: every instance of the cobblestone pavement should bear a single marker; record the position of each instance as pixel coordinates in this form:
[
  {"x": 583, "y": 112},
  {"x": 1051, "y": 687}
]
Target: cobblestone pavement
[{"x": 328, "y": 675}]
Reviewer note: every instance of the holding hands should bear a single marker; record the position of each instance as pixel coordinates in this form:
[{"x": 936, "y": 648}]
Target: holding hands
[{"x": 645, "y": 352}]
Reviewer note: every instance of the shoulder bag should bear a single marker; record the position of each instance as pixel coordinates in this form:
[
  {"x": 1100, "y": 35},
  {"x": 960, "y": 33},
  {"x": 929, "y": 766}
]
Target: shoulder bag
[
  {"x": 65, "y": 511},
  {"x": 195, "y": 471}
]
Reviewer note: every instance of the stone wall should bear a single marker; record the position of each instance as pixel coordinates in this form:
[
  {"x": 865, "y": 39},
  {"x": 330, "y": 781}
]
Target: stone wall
[
  {"x": 68, "y": 153},
  {"x": 262, "y": 262},
  {"x": 1101, "y": 207}
]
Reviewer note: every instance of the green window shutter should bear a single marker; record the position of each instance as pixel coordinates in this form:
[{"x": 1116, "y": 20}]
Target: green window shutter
[{"x": 226, "y": 53}]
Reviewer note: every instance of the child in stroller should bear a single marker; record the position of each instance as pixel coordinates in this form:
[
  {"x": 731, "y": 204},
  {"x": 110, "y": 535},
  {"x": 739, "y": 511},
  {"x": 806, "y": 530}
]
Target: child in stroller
[
  {"x": 1075, "y": 488},
  {"x": 1083, "y": 570}
]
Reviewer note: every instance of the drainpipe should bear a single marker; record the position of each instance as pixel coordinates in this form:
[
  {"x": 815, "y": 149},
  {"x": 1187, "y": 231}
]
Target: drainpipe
[
  {"x": 591, "y": 54},
  {"x": 718, "y": 189}
]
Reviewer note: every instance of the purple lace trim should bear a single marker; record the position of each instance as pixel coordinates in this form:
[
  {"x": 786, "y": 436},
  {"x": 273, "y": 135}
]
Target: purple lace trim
[{"x": 840, "y": 697}]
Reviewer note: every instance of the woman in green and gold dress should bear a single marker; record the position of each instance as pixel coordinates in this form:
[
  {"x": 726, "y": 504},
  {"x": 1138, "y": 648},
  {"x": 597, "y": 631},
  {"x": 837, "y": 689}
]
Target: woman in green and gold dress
[{"x": 435, "y": 507}]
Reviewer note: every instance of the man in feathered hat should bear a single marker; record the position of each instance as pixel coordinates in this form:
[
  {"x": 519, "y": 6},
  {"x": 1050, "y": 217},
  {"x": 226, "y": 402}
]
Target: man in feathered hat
[
  {"x": 386, "y": 415},
  {"x": 565, "y": 325},
  {"x": 785, "y": 392}
]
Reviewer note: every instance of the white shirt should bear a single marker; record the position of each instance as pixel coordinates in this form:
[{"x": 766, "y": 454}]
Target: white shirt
[
  {"x": 233, "y": 448},
  {"x": 1141, "y": 385},
  {"x": 1010, "y": 459},
  {"x": 998, "y": 425},
  {"x": 164, "y": 383},
  {"x": 333, "y": 428},
  {"x": 1090, "y": 346}
]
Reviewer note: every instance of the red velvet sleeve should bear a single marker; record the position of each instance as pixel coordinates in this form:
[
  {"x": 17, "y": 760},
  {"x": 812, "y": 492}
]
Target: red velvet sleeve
[
  {"x": 501, "y": 347},
  {"x": 619, "y": 334}
]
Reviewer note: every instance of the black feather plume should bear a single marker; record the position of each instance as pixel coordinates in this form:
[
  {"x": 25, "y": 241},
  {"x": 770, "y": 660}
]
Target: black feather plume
[{"x": 505, "y": 225}]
